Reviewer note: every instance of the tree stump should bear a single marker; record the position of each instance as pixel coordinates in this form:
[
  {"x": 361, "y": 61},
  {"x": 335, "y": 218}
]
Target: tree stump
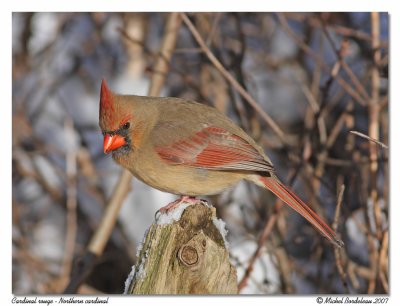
[{"x": 184, "y": 252}]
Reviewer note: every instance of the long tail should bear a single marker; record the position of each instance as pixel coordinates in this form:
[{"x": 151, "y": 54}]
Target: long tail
[{"x": 288, "y": 196}]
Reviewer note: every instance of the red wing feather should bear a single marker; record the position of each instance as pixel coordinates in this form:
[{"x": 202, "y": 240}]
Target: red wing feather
[{"x": 217, "y": 149}]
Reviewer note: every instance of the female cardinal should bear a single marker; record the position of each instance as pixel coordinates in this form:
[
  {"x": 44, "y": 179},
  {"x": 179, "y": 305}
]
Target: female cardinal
[{"x": 189, "y": 149}]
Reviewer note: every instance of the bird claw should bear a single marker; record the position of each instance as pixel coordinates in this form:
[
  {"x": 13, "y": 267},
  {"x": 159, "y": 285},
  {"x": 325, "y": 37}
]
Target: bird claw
[{"x": 171, "y": 206}]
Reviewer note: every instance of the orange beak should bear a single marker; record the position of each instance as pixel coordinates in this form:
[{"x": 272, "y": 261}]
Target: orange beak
[{"x": 112, "y": 142}]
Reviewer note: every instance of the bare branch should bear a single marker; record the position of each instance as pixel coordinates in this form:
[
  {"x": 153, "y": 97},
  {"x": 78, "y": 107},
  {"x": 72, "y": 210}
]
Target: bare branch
[{"x": 370, "y": 139}]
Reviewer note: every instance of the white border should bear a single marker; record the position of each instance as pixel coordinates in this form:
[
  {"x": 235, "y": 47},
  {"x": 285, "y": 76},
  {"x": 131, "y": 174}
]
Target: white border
[
  {"x": 191, "y": 6},
  {"x": 202, "y": 6}
]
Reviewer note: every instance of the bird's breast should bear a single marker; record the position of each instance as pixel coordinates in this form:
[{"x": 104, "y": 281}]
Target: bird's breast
[{"x": 180, "y": 179}]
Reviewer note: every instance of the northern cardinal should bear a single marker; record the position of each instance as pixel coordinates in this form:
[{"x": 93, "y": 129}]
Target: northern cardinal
[{"x": 189, "y": 149}]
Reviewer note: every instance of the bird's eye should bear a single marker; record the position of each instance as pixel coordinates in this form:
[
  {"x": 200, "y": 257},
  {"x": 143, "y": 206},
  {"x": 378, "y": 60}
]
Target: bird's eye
[{"x": 126, "y": 126}]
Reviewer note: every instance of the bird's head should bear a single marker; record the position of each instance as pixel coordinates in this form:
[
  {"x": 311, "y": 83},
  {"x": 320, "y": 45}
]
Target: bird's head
[{"x": 115, "y": 120}]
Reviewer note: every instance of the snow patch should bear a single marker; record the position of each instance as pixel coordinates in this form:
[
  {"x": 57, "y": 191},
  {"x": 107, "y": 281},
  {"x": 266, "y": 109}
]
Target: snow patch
[
  {"x": 220, "y": 225},
  {"x": 128, "y": 281},
  {"x": 141, "y": 273},
  {"x": 175, "y": 214},
  {"x": 357, "y": 237},
  {"x": 44, "y": 30},
  {"x": 171, "y": 216},
  {"x": 265, "y": 275},
  {"x": 140, "y": 246}
]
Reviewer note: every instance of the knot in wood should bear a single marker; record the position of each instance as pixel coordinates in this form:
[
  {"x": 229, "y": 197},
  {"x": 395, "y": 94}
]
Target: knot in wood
[{"x": 188, "y": 255}]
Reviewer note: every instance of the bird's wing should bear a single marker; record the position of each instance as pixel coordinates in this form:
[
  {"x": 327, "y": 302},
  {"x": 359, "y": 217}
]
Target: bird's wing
[{"x": 214, "y": 148}]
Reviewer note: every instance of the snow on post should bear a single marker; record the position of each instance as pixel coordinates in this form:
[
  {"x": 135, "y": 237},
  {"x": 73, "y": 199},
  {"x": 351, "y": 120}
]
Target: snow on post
[{"x": 184, "y": 252}]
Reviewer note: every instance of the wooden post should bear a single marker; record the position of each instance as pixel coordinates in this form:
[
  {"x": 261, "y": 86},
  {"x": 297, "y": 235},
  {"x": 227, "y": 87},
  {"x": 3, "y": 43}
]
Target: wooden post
[{"x": 184, "y": 252}]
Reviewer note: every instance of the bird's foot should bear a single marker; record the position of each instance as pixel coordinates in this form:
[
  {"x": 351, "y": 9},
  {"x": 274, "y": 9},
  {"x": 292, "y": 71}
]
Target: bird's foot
[{"x": 171, "y": 206}]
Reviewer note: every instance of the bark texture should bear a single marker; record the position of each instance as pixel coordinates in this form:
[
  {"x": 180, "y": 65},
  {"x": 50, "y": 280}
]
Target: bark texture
[{"x": 188, "y": 256}]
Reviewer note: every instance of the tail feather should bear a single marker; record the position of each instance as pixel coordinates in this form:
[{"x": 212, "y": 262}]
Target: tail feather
[{"x": 288, "y": 196}]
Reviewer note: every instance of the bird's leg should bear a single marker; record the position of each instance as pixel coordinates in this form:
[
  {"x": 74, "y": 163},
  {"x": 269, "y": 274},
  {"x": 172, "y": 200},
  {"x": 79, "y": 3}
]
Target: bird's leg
[{"x": 183, "y": 199}]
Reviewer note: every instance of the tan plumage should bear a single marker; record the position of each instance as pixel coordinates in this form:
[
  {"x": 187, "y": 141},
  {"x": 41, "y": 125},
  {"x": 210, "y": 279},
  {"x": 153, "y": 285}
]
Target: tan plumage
[{"x": 188, "y": 148}]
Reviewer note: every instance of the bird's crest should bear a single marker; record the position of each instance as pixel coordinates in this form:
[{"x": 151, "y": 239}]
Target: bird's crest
[
  {"x": 107, "y": 107},
  {"x": 106, "y": 103}
]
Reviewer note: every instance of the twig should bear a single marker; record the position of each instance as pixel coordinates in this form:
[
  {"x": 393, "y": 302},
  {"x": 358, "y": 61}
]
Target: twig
[
  {"x": 316, "y": 111},
  {"x": 373, "y": 131},
  {"x": 341, "y": 54},
  {"x": 261, "y": 241},
  {"x": 285, "y": 266},
  {"x": 384, "y": 102},
  {"x": 339, "y": 29},
  {"x": 216, "y": 20},
  {"x": 324, "y": 154},
  {"x": 103, "y": 232},
  {"x": 370, "y": 139},
  {"x": 267, "y": 118},
  {"x": 166, "y": 50},
  {"x": 265, "y": 234},
  {"x": 374, "y": 102},
  {"x": 373, "y": 268},
  {"x": 383, "y": 262},
  {"x": 319, "y": 60},
  {"x": 338, "y": 207},
  {"x": 337, "y": 250}
]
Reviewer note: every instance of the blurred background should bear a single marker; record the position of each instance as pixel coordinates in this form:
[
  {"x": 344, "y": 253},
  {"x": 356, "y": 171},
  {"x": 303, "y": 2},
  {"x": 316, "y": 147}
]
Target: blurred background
[{"x": 319, "y": 75}]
